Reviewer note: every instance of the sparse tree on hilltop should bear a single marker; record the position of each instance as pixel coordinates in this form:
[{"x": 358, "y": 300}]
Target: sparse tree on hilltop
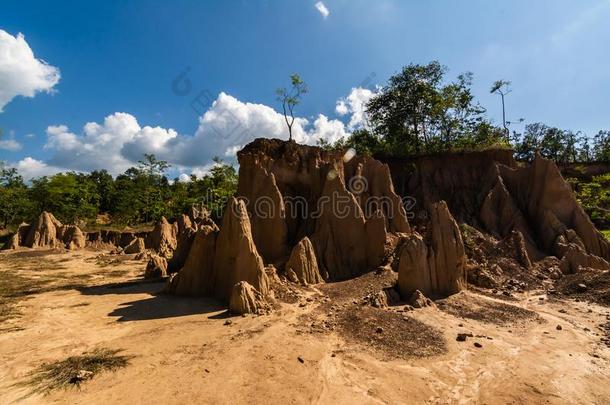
[{"x": 290, "y": 98}]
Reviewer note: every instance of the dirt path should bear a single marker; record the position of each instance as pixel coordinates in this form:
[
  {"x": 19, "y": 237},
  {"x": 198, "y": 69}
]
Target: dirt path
[{"x": 185, "y": 353}]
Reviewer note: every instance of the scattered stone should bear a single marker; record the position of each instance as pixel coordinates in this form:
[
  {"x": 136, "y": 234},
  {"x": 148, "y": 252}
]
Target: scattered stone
[
  {"x": 301, "y": 360},
  {"x": 379, "y": 329},
  {"x": 461, "y": 337},
  {"x": 477, "y": 344},
  {"x": 581, "y": 287},
  {"x": 228, "y": 322},
  {"x": 558, "y": 327},
  {"x": 419, "y": 300},
  {"x": 81, "y": 375}
]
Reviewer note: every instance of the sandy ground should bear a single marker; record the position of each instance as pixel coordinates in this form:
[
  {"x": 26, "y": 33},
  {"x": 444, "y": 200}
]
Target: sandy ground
[{"x": 184, "y": 352}]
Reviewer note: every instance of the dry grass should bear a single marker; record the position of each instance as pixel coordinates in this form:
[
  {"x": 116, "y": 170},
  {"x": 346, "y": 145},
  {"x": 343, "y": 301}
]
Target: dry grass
[{"x": 74, "y": 370}]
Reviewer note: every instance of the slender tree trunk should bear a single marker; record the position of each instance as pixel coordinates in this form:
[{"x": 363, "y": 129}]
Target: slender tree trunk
[{"x": 504, "y": 117}]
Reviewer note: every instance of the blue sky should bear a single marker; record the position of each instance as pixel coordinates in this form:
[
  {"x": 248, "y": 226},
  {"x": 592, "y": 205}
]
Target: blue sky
[{"x": 123, "y": 57}]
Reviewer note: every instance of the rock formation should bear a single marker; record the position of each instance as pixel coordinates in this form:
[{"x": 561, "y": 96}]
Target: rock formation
[
  {"x": 156, "y": 267},
  {"x": 236, "y": 257},
  {"x": 47, "y": 232},
  {"x": 136, "y": 246},
  {"x": 220, "y": 259},
  {"x": 185, "y": 233},
  {"x": 340, "y": 238},
  {"x": 196, "y": 278},
  {"x": 18, "y": 238},
  {"x": 162, "y": 239},
  {"x": 245, "y": 299},
  {"x": 436, "y": 268},
  {"x": 495, "y": 194},
  {"x": 344, "y": 204},
  {"x": 303, "y": 263},
  {"x": 73, "y": 237}
]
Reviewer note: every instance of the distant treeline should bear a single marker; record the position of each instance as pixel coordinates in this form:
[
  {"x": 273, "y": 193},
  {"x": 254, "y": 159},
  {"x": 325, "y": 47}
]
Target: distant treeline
[
  {"x": 140, "y": 195},
  {"x": 419, "y": 113}
]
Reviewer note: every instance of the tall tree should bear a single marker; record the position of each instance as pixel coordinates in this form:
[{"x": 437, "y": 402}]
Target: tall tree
[
  {"x": 290, "y": 98},
  {"x": 15, "y": 205},
  {"x": 601, "y": 146},
  {"x": 417, "y": 112},
  {"x": 502, "y": 87}
]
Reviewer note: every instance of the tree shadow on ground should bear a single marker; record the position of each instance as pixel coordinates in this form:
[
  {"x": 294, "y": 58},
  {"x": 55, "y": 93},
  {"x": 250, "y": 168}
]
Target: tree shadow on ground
[
  {"x": 136, "y": 286},
  {"x": 157, "y": 305},
  {"x": 165, "y": 306}
]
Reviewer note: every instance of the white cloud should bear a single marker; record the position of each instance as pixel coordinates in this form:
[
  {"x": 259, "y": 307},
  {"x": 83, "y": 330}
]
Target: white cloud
[
  {"x": 30, "y": 168},
  {"x": 229, "y": 124},
  {"x": 184, "y": 178},
  {"x": 10, "y": 145},
  {"x": 21, "y": 73},
  {"x": 101, "y": 145},
  {"x": 322, "y": 9},
  {"x": 355, "y": 104}
]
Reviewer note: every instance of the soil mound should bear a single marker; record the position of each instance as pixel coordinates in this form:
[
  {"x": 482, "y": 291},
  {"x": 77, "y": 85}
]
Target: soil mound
[{"x": 48, "y": 233}]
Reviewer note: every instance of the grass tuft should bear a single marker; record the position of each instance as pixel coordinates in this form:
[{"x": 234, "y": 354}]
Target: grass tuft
[
  {"x": 75, "y": 370},
  {"x": 607, "y": 234}
]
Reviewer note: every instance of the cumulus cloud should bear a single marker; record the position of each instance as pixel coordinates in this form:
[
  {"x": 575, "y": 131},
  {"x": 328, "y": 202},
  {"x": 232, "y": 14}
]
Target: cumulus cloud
[
  {"x": 21, "y": 73},
  {"x": 10, "y": 145},
  {"x": 355, "y": 104},
  {"x": 101, "y": 145},
  {"x": 322, "y": 9},
  {"x": 229, "y": 124},
  {"x": 30, "y": 168}
]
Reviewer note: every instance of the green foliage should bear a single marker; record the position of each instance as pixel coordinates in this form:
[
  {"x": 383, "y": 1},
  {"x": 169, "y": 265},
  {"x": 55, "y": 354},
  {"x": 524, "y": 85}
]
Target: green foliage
[
  {"x": 607, "y": 234},
  {"x": 140, "y": 195},
  {"x": 14, "y": 202},
  {"x": 601, "y": 146},
  {"x": 419, "y": 113},
  {"x": 71, "y": 197},
  {"x": 562, "y": 146},
  {"x": 594, "y": 196}
]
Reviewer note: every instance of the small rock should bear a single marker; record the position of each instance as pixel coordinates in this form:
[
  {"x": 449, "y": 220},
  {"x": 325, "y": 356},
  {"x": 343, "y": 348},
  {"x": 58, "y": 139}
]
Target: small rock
[
  {"x": 581, "y": 287},
  {"x": 228, "y": 322},
  {"x": 477, "y": 344},
  {"x": 301, "y": 360},
  {"x": 379, "y": 329},
  {"x": 461, "y": 337},
  {"x": 558, "y": 327},
  {"x": 563, "y": 311},
  {"x": 81, "y": 375}
]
